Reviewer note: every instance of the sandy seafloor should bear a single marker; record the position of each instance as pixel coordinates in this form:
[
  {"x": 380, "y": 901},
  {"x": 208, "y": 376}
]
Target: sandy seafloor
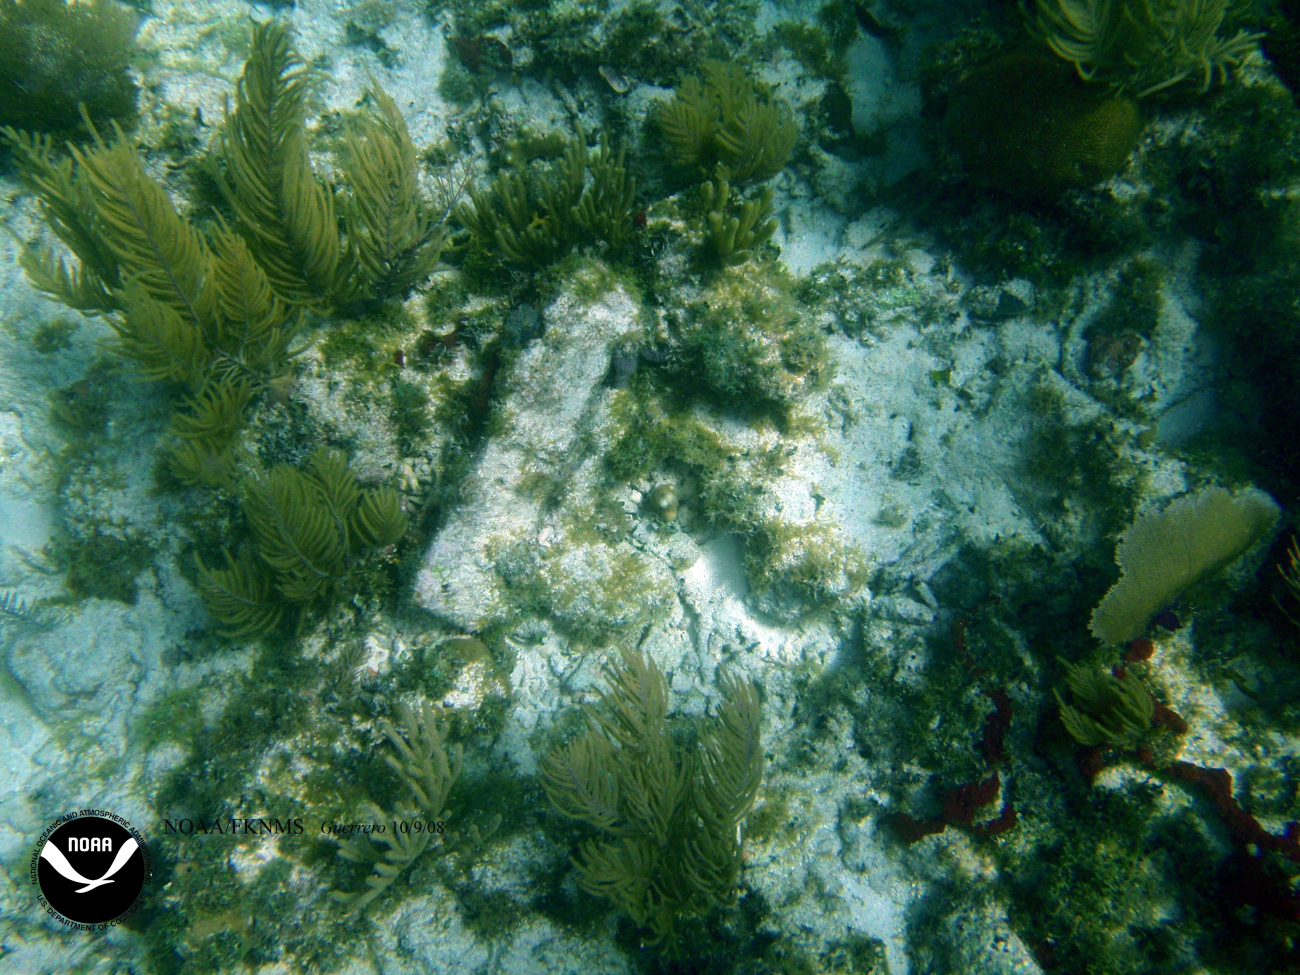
[{"x": 965, "y": 448}]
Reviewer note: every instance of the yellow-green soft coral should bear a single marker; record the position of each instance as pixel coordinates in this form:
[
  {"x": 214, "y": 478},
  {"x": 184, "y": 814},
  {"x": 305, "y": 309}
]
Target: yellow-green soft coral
[
  {"x": 733, "y": 239},
  {"x": 428, "y": 769},
  {"x": 670, "y": 815},
  {"x": 388, "y": 237},
  {"x": 1142, "y": 47},
  {"x": 725, "y": 126},
  {"x": 187, "y": 308},
  {"x": 536, "y": 214},
  {"x": 1105, "y": 710},
  {"x": 308, "y": 527}
]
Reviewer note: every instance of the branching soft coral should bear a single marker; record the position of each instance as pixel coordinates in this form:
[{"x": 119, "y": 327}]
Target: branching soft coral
[
  {"x": 309, "y": 526},
  {"x": 671, "y": 815},
  {"x": 1143, "y": 47},
  {"x": 723, "y": 125},
  {"x": 536, "y": 214}
]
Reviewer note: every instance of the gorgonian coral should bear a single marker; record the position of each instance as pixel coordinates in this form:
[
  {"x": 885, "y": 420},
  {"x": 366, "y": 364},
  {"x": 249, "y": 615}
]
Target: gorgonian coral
[
  {"x": 536, "y": 214},
  {"x": 725, "y": 125},
  {"x": 670, "y": 814},
  {"x": 1142, "y": 47}
]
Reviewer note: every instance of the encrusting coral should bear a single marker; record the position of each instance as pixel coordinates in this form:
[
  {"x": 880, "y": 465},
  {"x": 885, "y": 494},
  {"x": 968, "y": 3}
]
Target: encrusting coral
[
  {"x": 308, "y": 528},
  {"x": 724, "y": 126},
  {"x": 1031, "y": 125},
  {"x": 1143, "y": 47},
  {"x": 672, "y": 814},
  {"x": 1025, "y": 124}
]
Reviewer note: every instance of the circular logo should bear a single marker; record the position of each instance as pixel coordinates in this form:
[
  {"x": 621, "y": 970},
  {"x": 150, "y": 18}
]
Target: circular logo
[{"x": 91, "y": 868}]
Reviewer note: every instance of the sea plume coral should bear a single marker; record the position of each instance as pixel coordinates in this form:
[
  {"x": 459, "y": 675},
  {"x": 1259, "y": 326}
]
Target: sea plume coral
[
  {"x": 672, "y": 815},
  {"x": 1105, "y": 710},
  {"x": 724, "y": 125},
  {"x": 309, "y": 526},
  {"x": 1143, "y": 47}
]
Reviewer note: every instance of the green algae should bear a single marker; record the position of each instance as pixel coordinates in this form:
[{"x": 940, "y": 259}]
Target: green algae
[
  {"x": 53, "y": 336},
  {"x": 750, "y": 341}
]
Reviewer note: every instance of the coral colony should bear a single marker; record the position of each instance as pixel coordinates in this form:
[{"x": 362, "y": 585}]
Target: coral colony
[{"x": 604, "y": 553}]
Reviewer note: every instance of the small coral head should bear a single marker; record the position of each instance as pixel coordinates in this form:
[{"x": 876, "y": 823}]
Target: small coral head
[{"x": 1025, "y": 124}]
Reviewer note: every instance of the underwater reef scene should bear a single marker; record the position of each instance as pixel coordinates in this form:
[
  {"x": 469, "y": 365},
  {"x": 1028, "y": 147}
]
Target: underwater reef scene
[{"x": 655, "y": 486}]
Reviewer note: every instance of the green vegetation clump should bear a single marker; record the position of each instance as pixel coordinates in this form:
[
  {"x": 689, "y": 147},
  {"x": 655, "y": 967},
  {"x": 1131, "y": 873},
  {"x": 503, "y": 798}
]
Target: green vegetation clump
[
  {"x": 813, "y": 561},
  {"x": 56, "y": 57},
  {"x": 53, "y": 336},
  {"x": 1124, "y": 885},
  {"x": 792, "y": 567},
  {"x": 1143, "y": 47},
  {"x": 536, "y": 214},
  {"x": 1136, "y": 304},
  {"x": 750, "y": 340},
  {"x": 101, "y": 560},
  {"x": 308, "y": 529},
  {"x": 671, "y": 814},
  {"x": 724, "y": 126},
  {"x": 641, "y": 39},
  {"x": 822, "y": 48},
  {"x": 1282, "y": 43},
  {"x": 594, "y": 588}
]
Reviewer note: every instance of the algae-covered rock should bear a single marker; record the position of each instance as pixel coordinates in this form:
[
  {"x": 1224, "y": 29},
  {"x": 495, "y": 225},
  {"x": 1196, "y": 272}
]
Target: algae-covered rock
[
  {"x": 750, "y": 339},
  {"x": 552, "y": 394},
  {"x": 592, "y": 589},
  {"x": 56, "y": 57}
]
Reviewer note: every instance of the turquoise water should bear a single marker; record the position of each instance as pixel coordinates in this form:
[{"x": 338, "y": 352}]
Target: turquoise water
[{"x": 601, "y": 487}]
